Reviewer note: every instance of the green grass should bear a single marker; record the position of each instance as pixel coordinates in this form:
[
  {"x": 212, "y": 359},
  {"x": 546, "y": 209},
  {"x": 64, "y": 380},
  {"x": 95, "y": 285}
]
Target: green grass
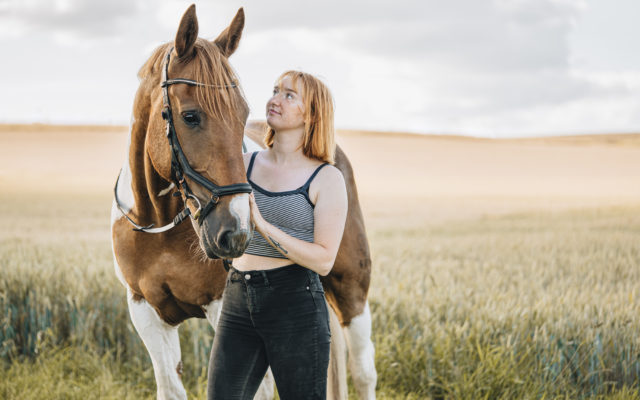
[
  {"x": 74, "y": 373},
  {"x": 521, "y": 306},
  {"x": 518, "y": 306}
]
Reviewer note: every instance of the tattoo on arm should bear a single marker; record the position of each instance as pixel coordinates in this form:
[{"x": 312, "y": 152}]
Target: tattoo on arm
[{"x": 278, "y": 245}]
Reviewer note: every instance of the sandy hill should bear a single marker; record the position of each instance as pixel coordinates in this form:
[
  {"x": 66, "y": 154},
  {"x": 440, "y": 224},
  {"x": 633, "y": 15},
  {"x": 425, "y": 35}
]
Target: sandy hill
[{"x": 454, "y": 174}]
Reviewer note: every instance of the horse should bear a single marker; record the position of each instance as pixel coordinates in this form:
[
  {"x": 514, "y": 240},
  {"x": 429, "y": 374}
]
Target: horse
[{"x": 185, "y": 163}]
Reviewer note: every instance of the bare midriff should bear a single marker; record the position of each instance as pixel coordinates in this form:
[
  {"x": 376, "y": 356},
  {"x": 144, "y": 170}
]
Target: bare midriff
[{"x": 250, "y": 262}]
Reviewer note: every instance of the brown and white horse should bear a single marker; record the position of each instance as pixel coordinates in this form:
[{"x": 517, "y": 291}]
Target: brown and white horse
[{"x": 174, "y": 169}]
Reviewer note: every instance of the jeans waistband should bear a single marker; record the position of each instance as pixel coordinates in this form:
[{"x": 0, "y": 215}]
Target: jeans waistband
[{"x": 275, "y": 275}]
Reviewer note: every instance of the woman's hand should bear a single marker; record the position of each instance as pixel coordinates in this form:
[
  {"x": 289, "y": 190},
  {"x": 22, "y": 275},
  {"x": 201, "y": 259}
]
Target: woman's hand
[{"x": 256, "y": 217}]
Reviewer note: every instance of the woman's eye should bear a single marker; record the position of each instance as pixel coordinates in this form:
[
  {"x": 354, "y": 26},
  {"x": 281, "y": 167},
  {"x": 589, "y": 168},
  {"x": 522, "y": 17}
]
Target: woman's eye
[
  {"x": 191, "y": 118},
  {"x": 289, "y": 96}
]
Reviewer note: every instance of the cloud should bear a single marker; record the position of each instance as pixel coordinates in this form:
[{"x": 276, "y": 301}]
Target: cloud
[
  {"x": 459, "y": 66},
  {"x": 477, "y": 61},
  {"x": 322, "y": 15},
  {"x": 94, "y": 18}
]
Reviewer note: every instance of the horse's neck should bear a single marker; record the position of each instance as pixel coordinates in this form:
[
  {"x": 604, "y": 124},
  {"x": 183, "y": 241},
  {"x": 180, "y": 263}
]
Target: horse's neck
[{"x": 152, "y": 194}]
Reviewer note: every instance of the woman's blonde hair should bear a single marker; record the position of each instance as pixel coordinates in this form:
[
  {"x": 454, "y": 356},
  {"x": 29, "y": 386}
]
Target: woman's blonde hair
[{"x": 318, "y": 141}]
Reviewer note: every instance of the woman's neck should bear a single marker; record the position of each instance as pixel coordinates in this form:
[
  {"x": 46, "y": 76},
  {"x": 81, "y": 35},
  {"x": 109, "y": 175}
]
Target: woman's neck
[{"x": 287, "y": 147}]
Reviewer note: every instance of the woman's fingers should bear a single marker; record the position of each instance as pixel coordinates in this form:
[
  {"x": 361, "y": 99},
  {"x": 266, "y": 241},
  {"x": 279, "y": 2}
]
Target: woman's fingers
[{"x": 255, "y": 212}]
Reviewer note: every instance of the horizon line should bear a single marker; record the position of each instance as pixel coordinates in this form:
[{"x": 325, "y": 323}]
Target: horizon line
[{"x": 6, "y": 124}]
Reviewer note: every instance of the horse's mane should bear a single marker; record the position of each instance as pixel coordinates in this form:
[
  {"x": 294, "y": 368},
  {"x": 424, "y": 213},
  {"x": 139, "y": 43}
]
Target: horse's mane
[{"x": 211, "y": 68}]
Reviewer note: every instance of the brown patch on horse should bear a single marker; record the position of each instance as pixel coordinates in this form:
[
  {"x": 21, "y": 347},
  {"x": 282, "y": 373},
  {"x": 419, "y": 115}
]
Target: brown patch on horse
[
  {"x": 347, "y": 285},
  {"x": 167, "y": 273},
  {"x": 179, "y": 369}
]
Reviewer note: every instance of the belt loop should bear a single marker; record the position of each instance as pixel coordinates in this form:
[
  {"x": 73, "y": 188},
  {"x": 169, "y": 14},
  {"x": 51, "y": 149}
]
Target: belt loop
[
  {"x": 264, "y": 277},
  {"x": 310, "y": 276}
]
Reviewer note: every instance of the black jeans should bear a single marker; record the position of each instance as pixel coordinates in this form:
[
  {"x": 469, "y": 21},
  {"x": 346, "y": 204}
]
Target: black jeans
[{"x": 275, "y": 318}]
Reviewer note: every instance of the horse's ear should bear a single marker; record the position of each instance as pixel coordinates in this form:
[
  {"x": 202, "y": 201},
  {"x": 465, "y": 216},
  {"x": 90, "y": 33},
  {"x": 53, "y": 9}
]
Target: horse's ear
[
  {"x": 230, "y": 38},
  {"x": 187, "y": 32}
]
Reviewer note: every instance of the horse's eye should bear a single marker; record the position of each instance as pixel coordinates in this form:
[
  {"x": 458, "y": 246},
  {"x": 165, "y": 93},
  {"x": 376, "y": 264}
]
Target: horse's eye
[{"x": 191, "y": 118}]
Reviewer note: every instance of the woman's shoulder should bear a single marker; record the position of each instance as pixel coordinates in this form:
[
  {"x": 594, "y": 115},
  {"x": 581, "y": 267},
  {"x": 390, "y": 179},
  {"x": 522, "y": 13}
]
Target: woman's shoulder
[
  {"x": 328, "y": 169},
  {"x": 328, "y": 187},
  {"x": 328, "y": 176}
]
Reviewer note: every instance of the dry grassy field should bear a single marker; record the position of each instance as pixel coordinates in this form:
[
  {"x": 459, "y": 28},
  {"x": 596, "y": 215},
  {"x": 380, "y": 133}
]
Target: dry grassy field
[{"x": 502, "y": 268}]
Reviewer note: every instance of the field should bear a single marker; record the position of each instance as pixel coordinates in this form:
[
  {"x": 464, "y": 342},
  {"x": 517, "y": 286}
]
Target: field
[{"x": 502, "y": 268}]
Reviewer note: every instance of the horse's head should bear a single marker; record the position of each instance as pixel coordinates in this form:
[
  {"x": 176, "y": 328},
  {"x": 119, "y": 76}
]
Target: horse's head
[{"x": 208, "y": 112}]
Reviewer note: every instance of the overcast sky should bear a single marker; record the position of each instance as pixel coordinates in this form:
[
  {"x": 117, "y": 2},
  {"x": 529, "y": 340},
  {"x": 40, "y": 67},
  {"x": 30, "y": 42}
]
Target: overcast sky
[{"x": 494, "y": 68}]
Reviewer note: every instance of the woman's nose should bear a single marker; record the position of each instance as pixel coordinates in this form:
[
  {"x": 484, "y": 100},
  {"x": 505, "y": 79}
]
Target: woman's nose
[{"x": 274, "y": 100}]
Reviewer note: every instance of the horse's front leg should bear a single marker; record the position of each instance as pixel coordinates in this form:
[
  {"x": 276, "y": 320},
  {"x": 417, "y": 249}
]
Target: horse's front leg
[
  {"x": 163, "y": 344},
  {"x": 266, "y": 389}
]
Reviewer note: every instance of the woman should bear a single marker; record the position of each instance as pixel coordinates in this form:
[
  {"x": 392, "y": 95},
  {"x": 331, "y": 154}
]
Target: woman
[{"x": 274, "y": 311}]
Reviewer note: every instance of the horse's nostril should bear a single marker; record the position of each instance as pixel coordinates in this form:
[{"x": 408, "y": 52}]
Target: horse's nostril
[
  {"x": 232, "y": 243},
  {"x": 224, "y": 239}
]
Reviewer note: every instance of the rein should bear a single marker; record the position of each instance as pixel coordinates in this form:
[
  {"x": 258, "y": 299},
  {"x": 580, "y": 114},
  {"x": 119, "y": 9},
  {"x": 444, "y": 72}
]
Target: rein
[{"x": 180, "y": 167}]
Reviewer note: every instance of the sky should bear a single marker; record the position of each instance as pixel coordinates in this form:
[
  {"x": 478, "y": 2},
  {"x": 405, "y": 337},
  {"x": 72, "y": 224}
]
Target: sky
[{"x": 487, "y": 68}]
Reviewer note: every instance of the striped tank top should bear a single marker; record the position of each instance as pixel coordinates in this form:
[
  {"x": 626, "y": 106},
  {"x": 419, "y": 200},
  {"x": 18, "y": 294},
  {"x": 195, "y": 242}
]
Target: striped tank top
[{"x": 290, "y": 211}]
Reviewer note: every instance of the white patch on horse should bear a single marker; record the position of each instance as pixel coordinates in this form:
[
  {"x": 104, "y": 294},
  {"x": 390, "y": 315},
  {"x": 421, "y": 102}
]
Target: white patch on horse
[
  {"x": 361, "y": 354},
  {"x": 125, "y": 179},
  {"x": 239, "y": 208},
  {"x": 267, "y": 387},
  {"x": 163, "y": 345},
  {"x": 125, "y": 189},
  {"x": 251, "y": 145},
  {"x": 212, "y": 311},
  {"x": 167, "y": 190}
]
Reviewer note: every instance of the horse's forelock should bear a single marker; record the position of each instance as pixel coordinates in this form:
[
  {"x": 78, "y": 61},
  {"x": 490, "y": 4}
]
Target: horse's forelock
[{"x": 209, "y": 67}]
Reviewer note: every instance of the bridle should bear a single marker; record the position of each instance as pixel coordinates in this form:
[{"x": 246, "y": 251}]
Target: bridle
[{"x": 180, "y": 167}]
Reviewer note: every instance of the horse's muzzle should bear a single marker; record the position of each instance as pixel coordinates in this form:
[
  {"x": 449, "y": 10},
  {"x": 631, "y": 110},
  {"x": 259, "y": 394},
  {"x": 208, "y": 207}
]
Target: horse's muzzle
[{"x": 226, "y": 244}]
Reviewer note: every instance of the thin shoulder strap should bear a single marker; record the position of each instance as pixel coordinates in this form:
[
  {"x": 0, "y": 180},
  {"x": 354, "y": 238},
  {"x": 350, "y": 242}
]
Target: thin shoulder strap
[
  {"x": 253, "y": 158},
  {"x": 308, "y": 183}
]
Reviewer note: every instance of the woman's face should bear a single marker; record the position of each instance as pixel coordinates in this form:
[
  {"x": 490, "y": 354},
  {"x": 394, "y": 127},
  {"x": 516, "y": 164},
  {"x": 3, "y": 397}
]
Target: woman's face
[{"x": 285, "y": 109}]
